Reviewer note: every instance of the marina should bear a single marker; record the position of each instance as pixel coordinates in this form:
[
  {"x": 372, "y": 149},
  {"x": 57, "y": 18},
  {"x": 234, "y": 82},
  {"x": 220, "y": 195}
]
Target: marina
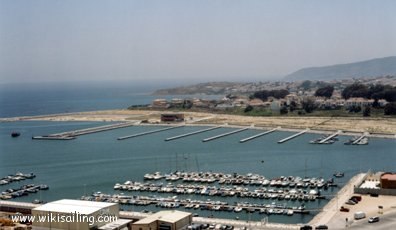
[
  {"x": 189, "y": 165},
  {"x": 258, "y": 135},
  {"x": 224, "y": 134},
  {"x": 149, "y": 132},
  {"x": 192, "y": 133},
  {"x": 209, "y": 205},
  {"x": 293, "y": 136}
]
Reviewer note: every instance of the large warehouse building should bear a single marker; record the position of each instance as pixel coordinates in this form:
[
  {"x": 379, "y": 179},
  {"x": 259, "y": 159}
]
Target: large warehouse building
[
  {"x": 74, "y": 214},
  {"x": 164, "y": 220}
]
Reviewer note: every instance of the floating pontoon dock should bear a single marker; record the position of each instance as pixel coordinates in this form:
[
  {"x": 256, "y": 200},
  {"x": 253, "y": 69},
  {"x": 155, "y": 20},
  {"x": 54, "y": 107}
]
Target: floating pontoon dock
[
  {"x": 192, "y": 133},
  {"x": 292, "y": 136},
  {"x": 149, "y": 132},
  {"x": 258, "y": 135},
  {"x": 360, "y": 138},
  {"x": 223, "y": 135},
  {"x": 329, "y": 137},
  {"x": 70, "y": 135}
]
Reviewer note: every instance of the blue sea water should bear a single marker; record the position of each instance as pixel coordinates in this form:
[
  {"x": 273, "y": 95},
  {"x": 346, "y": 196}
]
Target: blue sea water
[
  {"x": 51, "y": 98},
  {"x": 97, "y": 161}
]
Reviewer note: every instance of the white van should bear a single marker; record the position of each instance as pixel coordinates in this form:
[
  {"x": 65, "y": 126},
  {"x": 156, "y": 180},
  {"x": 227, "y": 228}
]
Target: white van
[{"x": 359, "y": 215}]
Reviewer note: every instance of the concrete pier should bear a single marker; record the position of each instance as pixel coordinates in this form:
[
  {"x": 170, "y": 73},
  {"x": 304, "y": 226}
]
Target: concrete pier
[
  {"x": 70, "y": 135},
  {"x": 149, "y": 132},
  {"x": 192, "y": 133},
  {"x": 331, "y": 136},
  {"x": 258, "y": 135},
  {"x": 293, "y": 136},
  {"x": 224, "y": 134}
]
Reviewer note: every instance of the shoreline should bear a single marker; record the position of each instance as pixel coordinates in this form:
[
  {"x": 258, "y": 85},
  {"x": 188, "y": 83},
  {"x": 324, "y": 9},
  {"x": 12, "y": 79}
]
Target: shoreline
[{"x": 350, "y": 126}]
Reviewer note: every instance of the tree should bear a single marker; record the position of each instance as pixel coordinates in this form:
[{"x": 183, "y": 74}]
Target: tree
[
  {"x": 376, "y": 104},
  {"x": 248, "y": 108},
  {"x": 355, "y": 109},
  {"x": 283, "y": 110},
  {"x": 279, "y": 93},
  {"x": 293, "y": 106},
  {"x": 390, "y": 95},
  {"x": 263, "y": 95},
  {"x": 355, "y": 90},
  {"x": 306, "y": 84},
  {"x": 326, "y": 91},
  {"x": 390, "y": 109},
  {"x": 308, "y": 105},
  {"x": 367, "y": 111}
]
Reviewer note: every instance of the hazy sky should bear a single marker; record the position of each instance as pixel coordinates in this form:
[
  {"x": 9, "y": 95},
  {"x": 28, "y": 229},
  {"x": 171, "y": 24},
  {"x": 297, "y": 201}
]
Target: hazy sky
[{"x": 209, "y": 40}]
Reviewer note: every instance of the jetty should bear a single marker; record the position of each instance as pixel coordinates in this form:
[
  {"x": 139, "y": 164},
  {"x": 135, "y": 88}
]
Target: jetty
[
  {"x": 192, "y": 133},
  {"x": 223, "y": 135},
  {"x": 293, "y": 136},
  {"x": 258, "y": 135},
  {"x": 70, "y": 135},
  {"x": 329, "y": 137},
  {"x": 149, "y": 132}
]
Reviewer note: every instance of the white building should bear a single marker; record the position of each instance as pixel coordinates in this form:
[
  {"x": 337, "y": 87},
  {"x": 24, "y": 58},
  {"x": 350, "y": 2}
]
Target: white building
[{"x": 74, "y": 214}]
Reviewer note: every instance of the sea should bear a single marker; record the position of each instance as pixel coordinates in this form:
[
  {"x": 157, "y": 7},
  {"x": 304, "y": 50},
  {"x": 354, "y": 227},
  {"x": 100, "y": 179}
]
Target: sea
[{"x": 96, "y": 162}]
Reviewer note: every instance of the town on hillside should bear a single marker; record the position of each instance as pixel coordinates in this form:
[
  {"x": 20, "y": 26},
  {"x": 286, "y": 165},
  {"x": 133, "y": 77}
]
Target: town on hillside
[{"x": 363, "y": 97}]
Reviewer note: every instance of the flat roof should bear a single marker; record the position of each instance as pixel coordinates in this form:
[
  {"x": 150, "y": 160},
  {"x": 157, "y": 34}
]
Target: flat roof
[
  {"x": 115, "y": 224},
  {"x": 167, "y": 216},
  {"x": 71, "y": 206},
  {"x": 389, "y": 176}
]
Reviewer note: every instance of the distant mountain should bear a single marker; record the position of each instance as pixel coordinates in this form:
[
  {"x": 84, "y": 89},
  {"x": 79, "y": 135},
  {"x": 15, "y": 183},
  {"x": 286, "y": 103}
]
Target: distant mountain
[{"x": 371, "y": 68}]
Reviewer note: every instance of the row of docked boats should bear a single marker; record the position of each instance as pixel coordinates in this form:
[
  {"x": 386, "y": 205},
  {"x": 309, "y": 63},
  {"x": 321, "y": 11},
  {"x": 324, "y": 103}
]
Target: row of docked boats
[
  {"x": 238, "y": 179},
  {"x": 223, "y": 191},
  {"x": 16, "y": 177},
  {"x": 174, "y": 202},
  {"x": 24, "y": 190}
]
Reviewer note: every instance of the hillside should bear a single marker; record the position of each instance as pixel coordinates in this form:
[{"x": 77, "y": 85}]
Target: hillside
[{"x": 371, "y": 68}]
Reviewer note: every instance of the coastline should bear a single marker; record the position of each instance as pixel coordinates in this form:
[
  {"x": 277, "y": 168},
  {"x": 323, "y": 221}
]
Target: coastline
[{"x": 351, "y": 126}]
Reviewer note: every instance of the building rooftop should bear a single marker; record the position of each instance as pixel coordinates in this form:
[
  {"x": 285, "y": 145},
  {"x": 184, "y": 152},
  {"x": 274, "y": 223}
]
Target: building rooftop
[
  {"x": 389, "y": 176},
  {"x": 166, "y": 216},
  {"x": 72, "y": 206},
  {"x": 116, "y": 224}
]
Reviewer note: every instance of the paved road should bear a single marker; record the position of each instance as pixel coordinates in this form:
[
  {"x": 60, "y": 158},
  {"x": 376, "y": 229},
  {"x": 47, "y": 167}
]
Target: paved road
[{"x": 387, "y": 221}]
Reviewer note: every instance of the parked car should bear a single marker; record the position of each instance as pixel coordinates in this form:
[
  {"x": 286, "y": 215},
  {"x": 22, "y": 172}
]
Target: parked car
[
  {"x": 343, "y": 209},
  {"x": 359, "y": 215},
  {"x": 322, "y": 226},
  {"x": 350, "y": 202},
  {"x": 373, "y": 219},
  {"x": 306, "y": 227},
  {"x": 358, "y": 198}
]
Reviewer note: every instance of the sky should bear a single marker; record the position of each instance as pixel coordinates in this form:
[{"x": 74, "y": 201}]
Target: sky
[{"x": 187, "y": 40}]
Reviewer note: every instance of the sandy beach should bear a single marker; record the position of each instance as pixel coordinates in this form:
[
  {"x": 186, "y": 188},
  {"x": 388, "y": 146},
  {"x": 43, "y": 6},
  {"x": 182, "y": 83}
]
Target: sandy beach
[{"x": 384, "y": 127}]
